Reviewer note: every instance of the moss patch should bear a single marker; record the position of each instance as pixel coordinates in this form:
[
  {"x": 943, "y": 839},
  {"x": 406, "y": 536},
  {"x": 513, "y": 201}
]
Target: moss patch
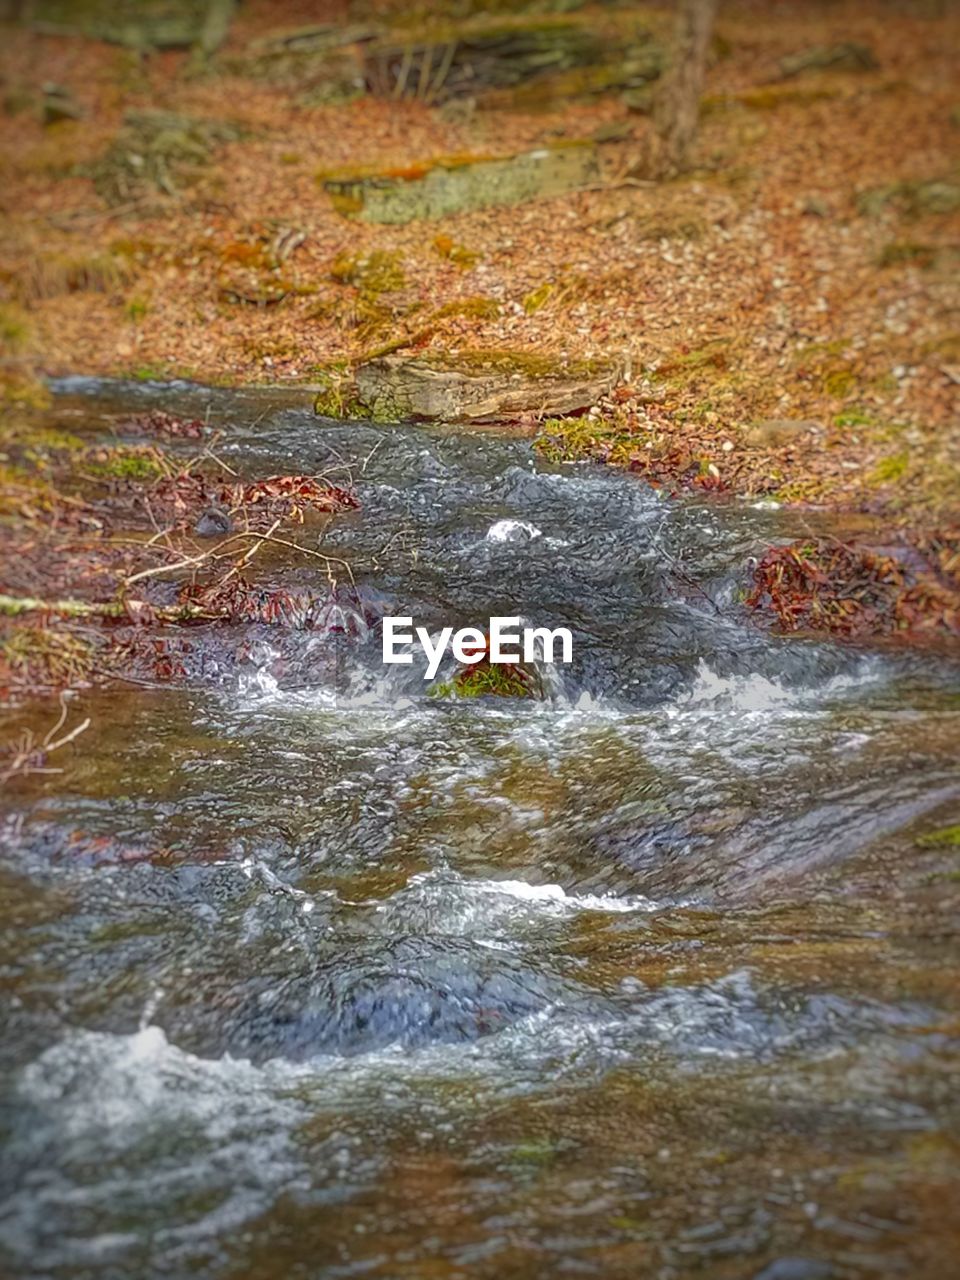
[
  {"x": 488, "y": 680},
  {"x": 945, "y": 838},
  {"x": 456, "y": 253},
  {"x": 888, "y": 470},
  {"x": 125, "y": 463},
  {"x": 372, "y": 273}
]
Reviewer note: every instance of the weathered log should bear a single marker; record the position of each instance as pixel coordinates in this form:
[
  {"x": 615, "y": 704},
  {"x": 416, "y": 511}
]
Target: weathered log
[
  {"x": 479, "y": 386},
  {"x": 14, "y": 606}
]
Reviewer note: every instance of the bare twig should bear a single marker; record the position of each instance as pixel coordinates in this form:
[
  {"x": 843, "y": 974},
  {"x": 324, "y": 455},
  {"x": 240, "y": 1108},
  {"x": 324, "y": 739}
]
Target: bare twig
[
  {"x": 27, "y": 756},
  {"x": 248, "y": 555}
]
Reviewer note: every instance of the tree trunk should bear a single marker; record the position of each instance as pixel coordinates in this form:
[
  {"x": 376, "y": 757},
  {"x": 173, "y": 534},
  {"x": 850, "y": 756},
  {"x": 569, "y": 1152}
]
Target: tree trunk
[{"x": 676, "y": 107}]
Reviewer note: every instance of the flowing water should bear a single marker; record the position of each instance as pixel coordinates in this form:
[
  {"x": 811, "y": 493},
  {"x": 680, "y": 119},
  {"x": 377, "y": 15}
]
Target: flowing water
[{"x": 309, "y": 973}]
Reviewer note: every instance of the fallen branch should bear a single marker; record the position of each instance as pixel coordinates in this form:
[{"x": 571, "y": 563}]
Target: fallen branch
[
  {"x": 14, "y": 606},
  {"x": 218, "y": 553}
]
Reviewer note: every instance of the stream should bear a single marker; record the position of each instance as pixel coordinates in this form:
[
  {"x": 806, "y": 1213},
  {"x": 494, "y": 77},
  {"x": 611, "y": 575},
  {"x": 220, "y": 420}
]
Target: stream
[{"x": 654, "y": 976}]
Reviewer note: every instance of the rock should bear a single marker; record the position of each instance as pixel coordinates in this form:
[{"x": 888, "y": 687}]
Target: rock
[
  {"x": 59, "y": 104},
  {"x": 848, "y": 56},
  {"x": 775, "y": 433},
  {"x": 156, "y": 150},
  {"x": 318, "y": 36},
  {"x": 613, "y": 131},
  {"x": 815, "y": 207},
  {"x": 215, "y": 522},
  {"x": 915, "y": 199},
  {"x": 458, "y": 61},
  {"x": 213, "y": 32},
  {"x": 795, "y": 1269},
  {"x": 528, "y": 60},
  {"x": 475, "y": 386},
  {"x": 323, "y": 63},
  {"x": 638, "y": 100},
  {"x": 139, "y": 24},
  {"x": 454, "y": 184}
]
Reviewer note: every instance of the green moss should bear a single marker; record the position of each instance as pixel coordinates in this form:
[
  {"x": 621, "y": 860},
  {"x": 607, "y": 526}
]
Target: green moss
[
  {"x": 338, "y": 396},
  {"x": 538, "y": 298},
  {"x": 854, "y": 418},
  {"x": 477, "y": 308},
  {"x": 136, "y": 309},
  {"x": 125, "y": 463},
  {"x": 150, "y": 373},
  {"x": 372, "y": 273},
  {"x": 574, "y": 438},
  {"x": 890, "y": 469},
  {"x": 812, "y": 351},
  {"x": 456, "y": 253},
  {"x": 14, "y": 326},
  {"x": 536, "y": 1153},
  {"x": 498, "y": 680},
  {"x": 946, "y": 837},
  {"x": 29, "y": 441},
  {"x": 529, "y": 364},
  {"x": 839, "y": 381}
]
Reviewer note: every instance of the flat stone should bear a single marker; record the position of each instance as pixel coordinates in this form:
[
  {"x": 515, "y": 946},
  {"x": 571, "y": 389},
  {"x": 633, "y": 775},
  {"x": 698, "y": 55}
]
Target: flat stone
[
  {"x": 454, "y": 184},
  {"x": 847, "y": 56},
  {"x": 478, "y": 386}
]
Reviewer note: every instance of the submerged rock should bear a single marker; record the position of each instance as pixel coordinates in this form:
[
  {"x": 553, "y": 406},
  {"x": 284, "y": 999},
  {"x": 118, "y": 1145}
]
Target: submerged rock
[
  {"x": 410, "y": 992},
  {"x": 470, "y": 386},
  {"x": 215, "y": 522},
  {"x": 457, "y": 183}
]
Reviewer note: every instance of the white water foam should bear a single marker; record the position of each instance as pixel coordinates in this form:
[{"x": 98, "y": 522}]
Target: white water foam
[
  {"x": 491, "y": 897},
  {"x": 755, "y": 695},
  {"x": 513, "y": 531}
]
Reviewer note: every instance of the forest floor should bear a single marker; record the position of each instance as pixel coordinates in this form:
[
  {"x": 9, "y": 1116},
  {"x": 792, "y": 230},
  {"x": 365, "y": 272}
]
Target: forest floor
[{"x": 784, "y": 314}]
